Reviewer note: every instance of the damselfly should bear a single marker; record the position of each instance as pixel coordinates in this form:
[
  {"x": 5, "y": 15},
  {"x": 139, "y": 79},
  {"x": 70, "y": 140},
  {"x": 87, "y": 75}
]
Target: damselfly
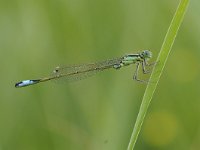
[{"x": 78, "y": 72}]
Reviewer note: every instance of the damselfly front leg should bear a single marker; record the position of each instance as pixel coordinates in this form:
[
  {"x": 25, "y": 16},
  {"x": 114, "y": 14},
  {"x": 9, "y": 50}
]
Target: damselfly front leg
[
  {"x": 143, "y": 68},
  {"x": 144, "y": 64},
  {"x": 135, "y": 76}
]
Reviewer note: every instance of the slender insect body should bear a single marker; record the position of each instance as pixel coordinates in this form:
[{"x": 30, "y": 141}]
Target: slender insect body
[{"x": 82, "y": 71}]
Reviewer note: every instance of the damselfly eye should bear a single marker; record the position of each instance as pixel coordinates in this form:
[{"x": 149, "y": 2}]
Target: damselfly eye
[{"x": 146, "y": 54}]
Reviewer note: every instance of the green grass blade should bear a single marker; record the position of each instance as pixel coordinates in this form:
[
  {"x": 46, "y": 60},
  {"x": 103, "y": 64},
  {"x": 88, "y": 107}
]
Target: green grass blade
[{"x": 157, "y": 71}]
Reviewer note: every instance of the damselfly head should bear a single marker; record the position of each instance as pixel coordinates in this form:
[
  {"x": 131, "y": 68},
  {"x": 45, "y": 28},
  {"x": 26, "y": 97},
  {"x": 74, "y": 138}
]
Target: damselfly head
[{"x": 146, "y": 54}]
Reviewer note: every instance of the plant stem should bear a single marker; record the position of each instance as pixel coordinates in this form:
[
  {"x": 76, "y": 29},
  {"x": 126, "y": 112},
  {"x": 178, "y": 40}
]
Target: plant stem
[{"x": 158, "y": 69}]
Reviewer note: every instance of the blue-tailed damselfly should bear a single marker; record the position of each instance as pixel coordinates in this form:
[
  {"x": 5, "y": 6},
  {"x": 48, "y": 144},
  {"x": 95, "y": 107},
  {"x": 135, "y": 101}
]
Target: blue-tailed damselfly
[{"x": 78, "y": 72}]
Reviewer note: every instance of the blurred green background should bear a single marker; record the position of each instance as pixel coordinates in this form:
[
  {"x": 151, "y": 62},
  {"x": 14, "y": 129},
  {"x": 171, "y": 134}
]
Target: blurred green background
[{"x": 97, "y": 113}]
